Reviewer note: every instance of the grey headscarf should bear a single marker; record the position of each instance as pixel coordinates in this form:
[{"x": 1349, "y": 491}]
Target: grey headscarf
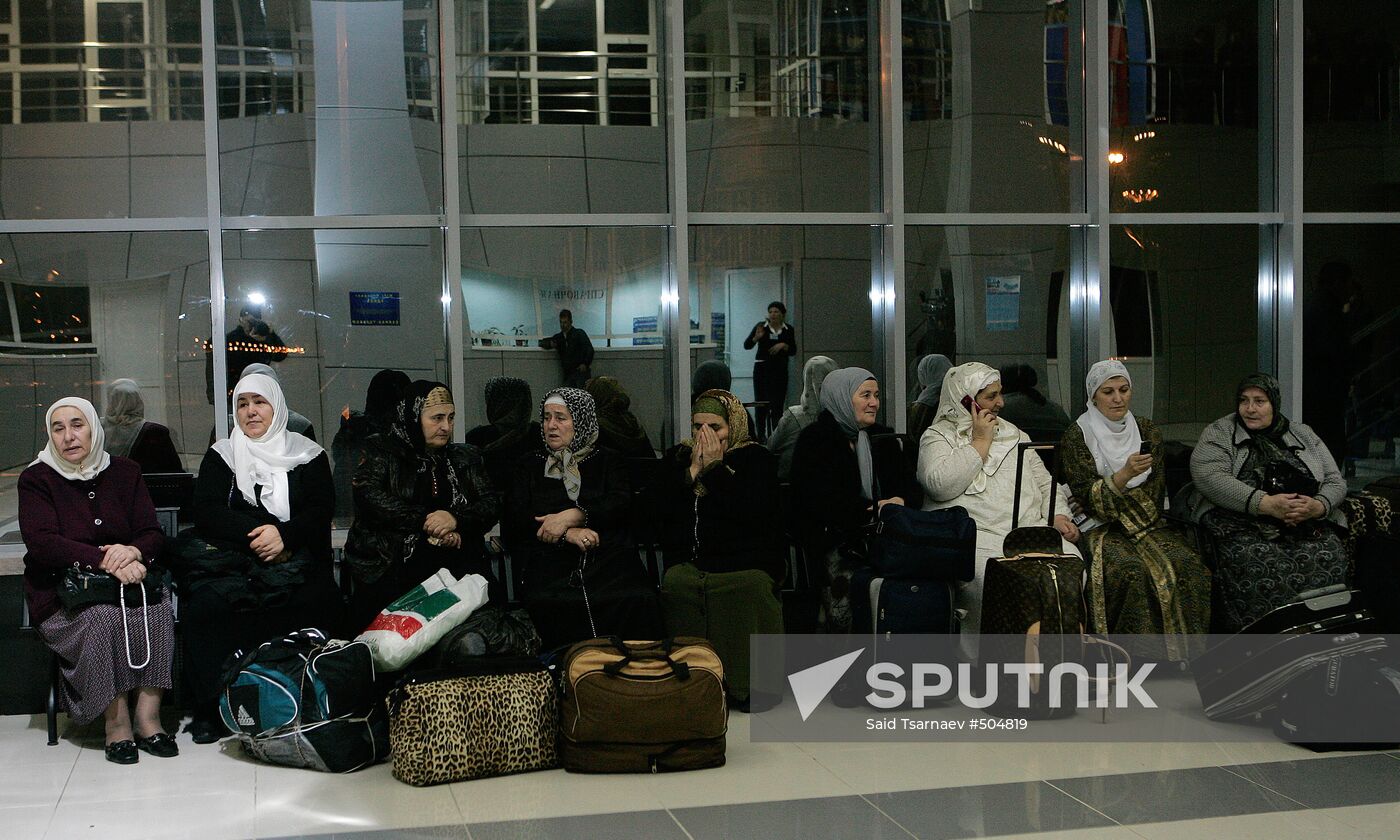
[
  {"x": 123, "y": 417},
  {"x": 932, "y": 369},
  {"x": 838, "y": 389},
  {"x": 813, "y": 374}
]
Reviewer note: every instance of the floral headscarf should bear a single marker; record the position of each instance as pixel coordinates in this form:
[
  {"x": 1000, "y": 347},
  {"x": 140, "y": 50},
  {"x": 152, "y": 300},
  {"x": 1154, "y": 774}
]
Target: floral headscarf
[
  {"x": 563, "y": 464},
  {"x": 723, "y": 404}
]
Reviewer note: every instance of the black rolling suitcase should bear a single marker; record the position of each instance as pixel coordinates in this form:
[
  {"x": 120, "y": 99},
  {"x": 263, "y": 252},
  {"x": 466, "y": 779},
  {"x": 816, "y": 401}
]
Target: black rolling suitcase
[
  {"x": 1242, "y": 676},
  {"x": 885, "y": 606}
]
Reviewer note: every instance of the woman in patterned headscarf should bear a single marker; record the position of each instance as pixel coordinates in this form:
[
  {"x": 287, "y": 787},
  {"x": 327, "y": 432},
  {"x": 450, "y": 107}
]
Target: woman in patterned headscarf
[
  {"x": 724, "y": 547},
  {"x": 1270, "y": 495},
  {"x": 566, "y": 526},
  {"x": 1144, "y": 578},
  {"x": 422, "y": 503}
]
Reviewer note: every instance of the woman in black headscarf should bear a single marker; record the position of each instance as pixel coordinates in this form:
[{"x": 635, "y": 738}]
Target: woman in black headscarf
[
  {"x": 422, "y": 503},
  {"x": 1270, "y": 495},
  {"x": 618, "y": 428},
  {"x": 356, "y": 428},
  {"x": 509, "y": 432},
  {"x": 566, "y": 523}
]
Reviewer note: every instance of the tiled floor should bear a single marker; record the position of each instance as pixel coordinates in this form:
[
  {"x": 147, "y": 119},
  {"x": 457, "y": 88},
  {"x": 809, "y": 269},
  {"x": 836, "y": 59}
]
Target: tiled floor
[{"x": 1161, "y": 791}]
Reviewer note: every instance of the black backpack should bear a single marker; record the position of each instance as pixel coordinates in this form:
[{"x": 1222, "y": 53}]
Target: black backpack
[{"x": 305, "y": 701}]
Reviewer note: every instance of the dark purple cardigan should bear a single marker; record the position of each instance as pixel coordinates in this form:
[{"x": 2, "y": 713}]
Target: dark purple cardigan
[{"x": 64, "y": 521}]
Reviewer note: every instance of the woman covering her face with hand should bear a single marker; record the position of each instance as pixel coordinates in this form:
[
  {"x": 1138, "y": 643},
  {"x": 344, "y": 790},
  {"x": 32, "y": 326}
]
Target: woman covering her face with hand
[
  {"x": 422, "y": 503},
  {"x": 845, "y": 467},
  {"x": 1144, "y": 578},
  {"x": 725, "y": 548},
  {"x": 261, "y": 566},
  {"x": 566, "y": 525},
  {"x": 1269, "y": 494},
  {"x": 80, "y": 506}
]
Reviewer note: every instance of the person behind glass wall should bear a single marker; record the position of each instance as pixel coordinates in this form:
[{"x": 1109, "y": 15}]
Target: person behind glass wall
[
  {"x": 1269, "y": 494},
  {"x": 575, "y": 351},
  {"x": 1144, "y": 577},
  {"x": 783, "y": 442},
  {"x": 725, "y": 551},
  {"x": 845, "y": 467},
  {"x": 422, "y": 503},
  {"x": 79, "y": 506},
  {"x": 967, "y": 458},
  {"x": 618, "y": 428},
  {"x": 710, "y": 375},
  {"x": 1030, "y": 410},
  {"x": 776, "y": 342},
  {"x": 566, "y": 521},
  {"x": 261, "y": 563},
  {"x": 129, "y": 434},
  {"x": 296, "y": 422},
  {"x": 251, "y": 342},
  {"x": 356, "y": 427},
  {"x": 931, "y": 370},
  {"x": 509, "y": 431},
  {"x": 1329, "y": 364}
]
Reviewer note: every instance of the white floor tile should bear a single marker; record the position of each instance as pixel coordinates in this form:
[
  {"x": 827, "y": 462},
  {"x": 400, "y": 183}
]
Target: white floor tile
[
  {"x": 1285, "y": 825},
  {"x": 199, "y": 768},
  {"x": 1381, "y": 822},
  {"x": 27, "y": 823},
  {"x": 32, "y": 785},
  {"x": 755, "y": 773},
  {"x": 1109, "y": 833},
  {"x": 295, "y": 801},
  {"x": 205, "y": 816},
  {"x": 552, "y": 793}
]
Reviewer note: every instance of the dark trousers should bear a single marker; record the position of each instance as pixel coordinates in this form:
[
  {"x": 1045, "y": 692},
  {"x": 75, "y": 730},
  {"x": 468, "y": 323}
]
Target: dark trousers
[
  {"x": 770, "y": 381},
  {"x": 213, "y": 629}
]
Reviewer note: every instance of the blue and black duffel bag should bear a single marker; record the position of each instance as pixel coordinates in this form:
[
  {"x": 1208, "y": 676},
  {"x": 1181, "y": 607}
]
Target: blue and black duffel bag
[
  {"x": 305, "y": 701},
  {"x": 911, "y": 544}
]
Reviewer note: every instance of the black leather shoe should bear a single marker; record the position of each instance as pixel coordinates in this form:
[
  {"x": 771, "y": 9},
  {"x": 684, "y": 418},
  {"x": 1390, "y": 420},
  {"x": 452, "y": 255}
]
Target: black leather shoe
[
  {"x": 123, "y": 752},
  {"x": 161, "y": 745},
  {"x": 206, "y": 730}
]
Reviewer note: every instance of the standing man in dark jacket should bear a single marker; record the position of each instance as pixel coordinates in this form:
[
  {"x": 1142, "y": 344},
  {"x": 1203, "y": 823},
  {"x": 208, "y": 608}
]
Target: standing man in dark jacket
[
  {"x": 251, "y": 342},
  {"x": 575, "y": 351}
]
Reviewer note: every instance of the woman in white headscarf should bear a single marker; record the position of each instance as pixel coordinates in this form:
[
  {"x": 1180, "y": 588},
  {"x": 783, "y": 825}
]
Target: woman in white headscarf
[
  {"x": 262, "y": 564},
  {"x": 967, "y": 458},
  {"x": 1143, "y": 575},
  {"x": 798, "y": 417},
  {"x": 80, "y": 507},
  {"x": 130, "y": 435}
]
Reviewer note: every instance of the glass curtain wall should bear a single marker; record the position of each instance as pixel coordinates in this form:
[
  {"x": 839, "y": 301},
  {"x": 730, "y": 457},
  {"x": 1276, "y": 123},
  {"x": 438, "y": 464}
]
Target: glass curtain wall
[{"x": 425, "y": 184}]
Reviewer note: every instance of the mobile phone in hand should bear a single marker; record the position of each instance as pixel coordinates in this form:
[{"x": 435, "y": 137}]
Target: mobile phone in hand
[
  {"x": 1146, "y": 448},
  {"x": 967, "y": 403}
]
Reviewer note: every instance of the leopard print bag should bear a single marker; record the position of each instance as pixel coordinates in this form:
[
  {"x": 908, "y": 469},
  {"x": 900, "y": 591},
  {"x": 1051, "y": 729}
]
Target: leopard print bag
[{"x": 454, "y": 727}]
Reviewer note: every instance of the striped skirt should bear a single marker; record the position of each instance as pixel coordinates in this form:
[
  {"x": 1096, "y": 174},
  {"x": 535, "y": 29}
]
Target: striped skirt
[{"x": 96, "y": 656}]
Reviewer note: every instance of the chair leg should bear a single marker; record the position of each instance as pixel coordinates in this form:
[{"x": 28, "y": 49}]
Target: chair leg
[{"x": 52, "y": 710}]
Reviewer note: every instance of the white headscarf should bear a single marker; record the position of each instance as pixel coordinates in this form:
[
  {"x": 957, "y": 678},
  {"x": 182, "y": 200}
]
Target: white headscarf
[
  {"x": 263, "y": 463},
  {"x": 1110, "y": 441},
  {"x": 953, "y": 422},
  {"x": 97, "y": 458}
]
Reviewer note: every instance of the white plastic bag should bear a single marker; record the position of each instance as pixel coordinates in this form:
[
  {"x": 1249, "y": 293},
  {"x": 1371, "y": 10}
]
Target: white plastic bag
[{"x": 416, "y": 620}]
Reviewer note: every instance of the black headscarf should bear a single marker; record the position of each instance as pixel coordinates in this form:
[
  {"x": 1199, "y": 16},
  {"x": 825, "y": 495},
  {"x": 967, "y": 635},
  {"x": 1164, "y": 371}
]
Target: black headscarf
[
  {"x": 508, "y": 407},
  {"x": 1271, "y": 464},
  {"x": 382, "y": 398},
  {"x": 437, "y": 479},
  {"x": 1020, "y": 378},
  {"x": 1269, "y": 386},
  {"x": 713, "y": 375}
]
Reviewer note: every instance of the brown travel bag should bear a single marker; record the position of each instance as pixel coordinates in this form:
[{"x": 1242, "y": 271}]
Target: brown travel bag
[{"x": 642, "y": 707}]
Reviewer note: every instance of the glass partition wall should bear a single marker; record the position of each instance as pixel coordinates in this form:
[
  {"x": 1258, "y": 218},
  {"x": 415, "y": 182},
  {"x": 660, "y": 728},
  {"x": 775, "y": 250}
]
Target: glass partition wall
[{"x": 1199, "y": 188}]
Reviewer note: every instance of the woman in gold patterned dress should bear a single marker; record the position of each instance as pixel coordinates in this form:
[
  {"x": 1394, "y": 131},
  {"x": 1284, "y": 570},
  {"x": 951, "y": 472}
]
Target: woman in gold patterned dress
[{"x": 1144, "y": 577}]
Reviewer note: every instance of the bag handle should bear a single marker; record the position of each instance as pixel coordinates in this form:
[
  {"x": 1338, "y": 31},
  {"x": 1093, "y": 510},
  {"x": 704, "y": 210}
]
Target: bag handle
[
  {"x": 145, "y": 621},
  {"x": 630, "y": 655},
  {"x": 1021, "y": 447}
]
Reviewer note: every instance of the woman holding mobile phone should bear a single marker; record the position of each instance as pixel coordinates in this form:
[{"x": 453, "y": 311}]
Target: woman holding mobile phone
[{"x": 1144, "y": 577}]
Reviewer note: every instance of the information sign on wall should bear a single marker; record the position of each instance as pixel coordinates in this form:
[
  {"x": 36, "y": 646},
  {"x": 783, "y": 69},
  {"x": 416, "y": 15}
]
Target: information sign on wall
[
  {"x": 374, "y": 309},
  {"x": 1004, "y": 303}
]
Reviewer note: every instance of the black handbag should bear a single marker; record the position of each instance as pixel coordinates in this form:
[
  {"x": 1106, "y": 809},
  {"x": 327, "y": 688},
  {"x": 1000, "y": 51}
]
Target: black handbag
[
  {"x": 80, "y": 587},
  {"x": 1283, "y": 477}
]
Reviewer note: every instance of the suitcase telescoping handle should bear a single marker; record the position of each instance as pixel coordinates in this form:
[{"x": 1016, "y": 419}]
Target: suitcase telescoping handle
[
  {"x": 630, "y": 654},
  {"x": 1020, "y": 467}
]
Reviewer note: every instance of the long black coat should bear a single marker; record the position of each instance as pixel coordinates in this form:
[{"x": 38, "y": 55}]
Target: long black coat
[
  {"x": 739, "y": 526},
  {"x": 826, "y": 481}
]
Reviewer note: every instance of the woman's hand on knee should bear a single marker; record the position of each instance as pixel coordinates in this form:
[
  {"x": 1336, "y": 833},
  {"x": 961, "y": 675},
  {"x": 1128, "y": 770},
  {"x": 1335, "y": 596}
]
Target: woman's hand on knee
[
  {"x": 266, "y": 541},
  {"x": 118, "y": 556}
]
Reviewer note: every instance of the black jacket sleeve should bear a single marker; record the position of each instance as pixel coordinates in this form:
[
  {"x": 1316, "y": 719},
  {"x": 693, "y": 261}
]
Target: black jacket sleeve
[
  {"x": 481, "y": 506},
  {"x": 212, "y": 514},
  {"x": 609, "y": 508},
  {"x": 313, "y": 506},
  {"x": 376, "y": 503}
]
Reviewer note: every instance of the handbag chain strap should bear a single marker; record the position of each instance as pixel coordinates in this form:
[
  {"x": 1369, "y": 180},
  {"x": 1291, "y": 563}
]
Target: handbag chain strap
[
  {"x": 583, "y": 584},
  {"x": 145, "y": 621}
]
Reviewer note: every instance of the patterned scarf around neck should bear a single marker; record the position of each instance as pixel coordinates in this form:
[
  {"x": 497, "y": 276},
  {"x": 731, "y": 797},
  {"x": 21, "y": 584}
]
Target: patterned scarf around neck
[{"x": 563, "y": 464}]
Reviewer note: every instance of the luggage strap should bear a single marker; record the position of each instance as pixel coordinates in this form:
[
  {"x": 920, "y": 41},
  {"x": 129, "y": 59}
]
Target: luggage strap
[{"x": 630, "y": 655}]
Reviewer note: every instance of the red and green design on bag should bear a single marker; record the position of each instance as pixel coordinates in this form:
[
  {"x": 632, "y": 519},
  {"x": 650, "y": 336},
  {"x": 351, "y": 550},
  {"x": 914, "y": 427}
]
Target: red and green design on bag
[{"x": 414, "y": 621}]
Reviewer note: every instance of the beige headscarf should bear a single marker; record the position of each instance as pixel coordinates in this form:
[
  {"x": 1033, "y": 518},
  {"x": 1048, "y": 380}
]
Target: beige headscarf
[
  {"x": 954, "y": 421},
  {"x": 97, "y": 458}
]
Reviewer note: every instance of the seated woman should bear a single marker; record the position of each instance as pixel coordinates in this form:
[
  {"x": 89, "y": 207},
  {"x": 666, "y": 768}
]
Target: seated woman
[
  {"x": 422, "y": 503},
  {"x": 356, "y": 427},
  {"x": 724, "y": 549},
  {"x": 1270, "y": 496},
  {"x": 968, "y": 458},
  {"x": 130, "y": 435},
  {"x": 798, "y": 417},
  {"x": 845, "y": 467},
  {"x": 262, "y": 564},
  {"x": 509, "y": 432},
  {"x": 923, "y": 407},
  {"x": 297, "y": 423},
  {"x": 618, "y": 428},
  {"x": 565, "y": 522},
  {"x": 1029, "y": 410},
  {"x": 80, "y": 506},
  {"x": 1144, "y": 578}
]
